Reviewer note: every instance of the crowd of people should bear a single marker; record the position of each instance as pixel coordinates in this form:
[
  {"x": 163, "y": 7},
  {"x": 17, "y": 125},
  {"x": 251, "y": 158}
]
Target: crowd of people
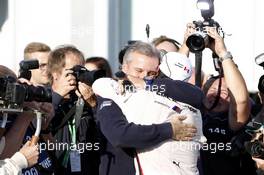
[{"x": 152, "y": 119}]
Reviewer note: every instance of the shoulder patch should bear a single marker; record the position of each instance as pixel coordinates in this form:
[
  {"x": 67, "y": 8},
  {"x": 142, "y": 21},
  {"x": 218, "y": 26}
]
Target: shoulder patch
[{"x": 105, "y": 103}]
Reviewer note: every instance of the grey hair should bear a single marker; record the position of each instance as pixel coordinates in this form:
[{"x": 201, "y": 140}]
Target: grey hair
[{"x": 142, "y": 48}]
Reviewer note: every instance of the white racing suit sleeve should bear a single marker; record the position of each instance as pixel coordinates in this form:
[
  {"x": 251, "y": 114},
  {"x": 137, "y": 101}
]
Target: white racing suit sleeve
[{"x": 14, "y": 165}]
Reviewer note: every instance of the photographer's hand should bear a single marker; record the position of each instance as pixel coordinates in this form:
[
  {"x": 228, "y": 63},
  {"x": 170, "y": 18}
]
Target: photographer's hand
[
  {"x": 189, "y": 31},
  {"x": 259, "y": 162},
  {"x": 239, "y": 105},
  {"x": 86, "y": 93},
  {"x": 66, "y": 82},
  {"x": 218, "y": 46},
  {"x": 182, "y": 131}
]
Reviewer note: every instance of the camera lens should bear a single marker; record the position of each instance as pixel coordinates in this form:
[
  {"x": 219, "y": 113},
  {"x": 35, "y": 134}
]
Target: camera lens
[
  {"x": 37, "y": 93},
  {"x": 255, "y": 149},
  {"x": 196, "y": 42}
]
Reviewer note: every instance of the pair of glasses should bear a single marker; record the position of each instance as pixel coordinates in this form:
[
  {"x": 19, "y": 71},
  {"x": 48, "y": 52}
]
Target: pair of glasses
[{"x": 43, "y": 66}]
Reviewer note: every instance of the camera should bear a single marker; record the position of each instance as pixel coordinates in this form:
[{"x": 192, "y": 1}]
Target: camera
[
  {"x": 200, "y": 39},
  {"x": 25, "y": 66},
  {"x": 13, "y": 94},
  {"x": 88, "y": 77},
  {"x": 250, "y": 140},
  {"x": 255, "y": 147}
]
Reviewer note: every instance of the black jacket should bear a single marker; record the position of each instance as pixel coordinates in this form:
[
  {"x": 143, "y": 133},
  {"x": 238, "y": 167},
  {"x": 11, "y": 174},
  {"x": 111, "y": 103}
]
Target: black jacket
[
  {"x": 87, "y": 137},
  {"x": 122, "y": 138}
]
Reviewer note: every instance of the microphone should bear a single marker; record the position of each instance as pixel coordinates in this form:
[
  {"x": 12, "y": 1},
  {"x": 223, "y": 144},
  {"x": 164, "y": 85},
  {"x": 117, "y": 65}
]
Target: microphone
[{"x": 147, "y": 30}]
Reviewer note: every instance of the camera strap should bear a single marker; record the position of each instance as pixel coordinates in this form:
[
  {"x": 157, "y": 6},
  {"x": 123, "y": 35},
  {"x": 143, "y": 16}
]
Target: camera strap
[
  {"x": 65, "y": 119},
  {"x": 198, "y": 69},
  {"x": 72, "y": 131},
  {"x": 78, "y": 112},
  {"x": 217, "y": 98}
]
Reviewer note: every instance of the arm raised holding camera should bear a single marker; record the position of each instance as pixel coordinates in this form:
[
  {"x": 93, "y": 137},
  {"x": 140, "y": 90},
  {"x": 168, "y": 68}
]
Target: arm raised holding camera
[
  {"x": 189, "y": 30},
  {"x": 239, "y": 107}
]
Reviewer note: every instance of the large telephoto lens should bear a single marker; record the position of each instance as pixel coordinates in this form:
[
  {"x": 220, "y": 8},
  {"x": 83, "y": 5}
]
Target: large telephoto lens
[
  {"x": 37, "y": 93},
  {"x": 196, "y": 42}
]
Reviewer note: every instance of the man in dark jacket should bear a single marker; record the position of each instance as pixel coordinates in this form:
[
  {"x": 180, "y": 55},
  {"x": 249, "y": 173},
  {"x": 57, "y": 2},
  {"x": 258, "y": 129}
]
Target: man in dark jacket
[
  {"x": 73, "y": 125},
  {"x": 122, "y": 138}
]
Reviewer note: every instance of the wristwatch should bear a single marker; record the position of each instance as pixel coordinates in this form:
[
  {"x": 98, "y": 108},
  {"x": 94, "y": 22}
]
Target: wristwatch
[{"x": 227, "y": 55}]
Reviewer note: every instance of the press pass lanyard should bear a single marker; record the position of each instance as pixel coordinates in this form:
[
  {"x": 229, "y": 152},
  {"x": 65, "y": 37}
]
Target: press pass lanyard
[
  {"x": 76, "y": 120},
  {"x": 73, "y": 127},
  {"x": 72, "y": 130}
]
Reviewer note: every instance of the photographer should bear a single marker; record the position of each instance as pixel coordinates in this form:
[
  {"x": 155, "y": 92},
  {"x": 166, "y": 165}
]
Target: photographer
[
  {"x": 39, "y": 77},
  {"x": 226, "y": 112},
  {"x": 12, "y": 140},
  {"x": 73, "y": 124},
  {"x": 39, "y": 51}
]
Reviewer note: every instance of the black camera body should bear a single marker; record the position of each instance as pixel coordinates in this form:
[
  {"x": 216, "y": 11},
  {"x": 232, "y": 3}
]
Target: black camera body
[
  {"x": 255, "y": 147},
  {"x": 88, "y": 77},
  {"x": 200, "y": 39},
  {"x": 250, "y": 140},
  {"x": 25, "y": 66},
  {"x": 13, "y": 94}
]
